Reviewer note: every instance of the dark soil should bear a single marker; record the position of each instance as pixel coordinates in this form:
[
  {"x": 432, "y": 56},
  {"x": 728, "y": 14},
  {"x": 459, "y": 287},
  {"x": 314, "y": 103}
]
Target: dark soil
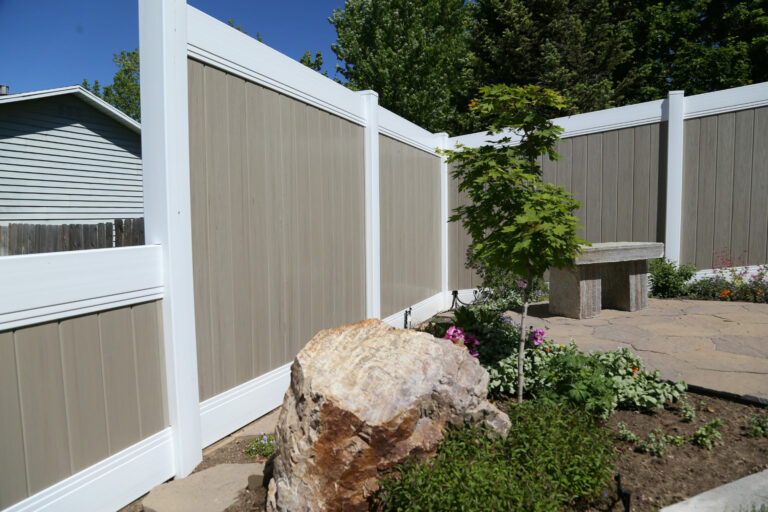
[
  {"x": 654, "y": 482},
  {"x": 688, "y": 470}
]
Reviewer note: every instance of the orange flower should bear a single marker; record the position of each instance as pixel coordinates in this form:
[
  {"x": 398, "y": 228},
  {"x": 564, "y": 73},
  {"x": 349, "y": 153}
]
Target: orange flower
[
  {"x": 725, "y": 293},
  {"x": 634, "y": 369},
  {"x": 545, "y": 348},
  {"x": 759, "y": 291}
]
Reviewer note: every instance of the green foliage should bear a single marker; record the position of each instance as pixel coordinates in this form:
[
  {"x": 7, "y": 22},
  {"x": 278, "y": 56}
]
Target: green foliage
[
  {"x": 758, "y": 425},
  {"x": 502, "y": 290},
  {"x": 123, "y": 93},
  {"x": 415, "y": 54},
  {"x": 571, "y": 46},
  {"x": 554, "y": 458},
  {"x": 599, "y": 382},
  {"x": 708, "y": 435},
  {"x": 625, "y": 434},
  {"x": 693, "y": 45},
  {"x": 262, "y": 445},
  {"x": 316, "y": 63},
  {"x": 687, "y": 411},
  {"x": 517, "y": 223},
  {"x": 669, "y": 280},
  {"x": 656, "y": 443}
]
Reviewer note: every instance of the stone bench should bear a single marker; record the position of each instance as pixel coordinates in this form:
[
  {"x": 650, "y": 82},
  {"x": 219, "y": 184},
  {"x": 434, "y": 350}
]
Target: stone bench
[{"x": 611, "y": 275}]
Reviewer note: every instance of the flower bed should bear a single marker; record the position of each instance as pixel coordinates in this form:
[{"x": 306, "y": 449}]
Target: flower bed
[{"x": 667, "y": 444}]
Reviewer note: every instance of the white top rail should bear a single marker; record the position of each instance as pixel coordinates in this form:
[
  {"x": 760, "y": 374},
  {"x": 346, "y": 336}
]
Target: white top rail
[
  {"x": 699, "y": 105},
  {"x": 48, "y": 286},
  {"x": 398, "y": 128},
  {"x": 224, "y": 47}
]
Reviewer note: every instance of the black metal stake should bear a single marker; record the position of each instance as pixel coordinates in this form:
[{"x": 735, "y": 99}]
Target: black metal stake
[{"x": 624, "y": 495}]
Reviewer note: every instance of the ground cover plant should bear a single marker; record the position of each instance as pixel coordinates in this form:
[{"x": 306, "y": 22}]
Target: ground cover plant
[
  {"x": 556, "y": 458},
  {"x": 728, "y": 282}
]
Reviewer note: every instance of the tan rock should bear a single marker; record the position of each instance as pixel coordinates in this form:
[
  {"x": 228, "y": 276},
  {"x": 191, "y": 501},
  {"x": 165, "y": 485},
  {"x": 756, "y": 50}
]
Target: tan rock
[{"x": 362, "y": 399}]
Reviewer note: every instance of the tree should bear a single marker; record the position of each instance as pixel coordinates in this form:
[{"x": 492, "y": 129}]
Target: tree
[
  {"x": 694, "y": 45},
  {"x": 316, "y": 64},
  {"x": 414, "y": 53},
  {"x": 571, "y": 46},
  {"x": 123, "y": 93},
  {"x": 516, "y": 222}
]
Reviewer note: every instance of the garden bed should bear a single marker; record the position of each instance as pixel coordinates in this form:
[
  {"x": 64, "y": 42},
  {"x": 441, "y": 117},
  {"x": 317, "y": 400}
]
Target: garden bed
[{"x": 687, "y": 470}]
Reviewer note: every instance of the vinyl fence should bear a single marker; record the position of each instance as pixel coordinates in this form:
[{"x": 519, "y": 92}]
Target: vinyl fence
[{"x": 278, "y": 203}]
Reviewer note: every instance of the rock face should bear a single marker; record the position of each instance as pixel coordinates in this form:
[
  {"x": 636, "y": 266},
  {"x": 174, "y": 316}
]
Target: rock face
[{"x": 363, "y": 398}]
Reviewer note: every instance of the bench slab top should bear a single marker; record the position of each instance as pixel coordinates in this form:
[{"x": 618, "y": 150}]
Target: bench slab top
[{"x": 609, "y": 252}]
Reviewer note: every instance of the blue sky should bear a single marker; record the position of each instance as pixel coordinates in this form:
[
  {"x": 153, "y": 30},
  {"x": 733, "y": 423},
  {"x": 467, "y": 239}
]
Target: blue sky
[{"x": 53, "y": 43}]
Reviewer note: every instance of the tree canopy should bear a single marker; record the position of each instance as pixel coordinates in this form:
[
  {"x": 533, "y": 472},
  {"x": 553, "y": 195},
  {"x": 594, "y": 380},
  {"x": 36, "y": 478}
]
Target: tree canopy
[
  {"x": 414, "y": 54},
  {"x": 124, "y": 92},
  {"x": 426, "y": 59}
]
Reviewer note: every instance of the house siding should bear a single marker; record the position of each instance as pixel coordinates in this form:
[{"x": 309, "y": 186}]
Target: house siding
[{"x": 62, "y": 161}]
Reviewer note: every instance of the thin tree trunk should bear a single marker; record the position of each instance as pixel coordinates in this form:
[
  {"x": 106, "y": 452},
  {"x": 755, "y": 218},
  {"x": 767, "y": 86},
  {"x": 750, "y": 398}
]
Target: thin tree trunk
[
  {"x": 521, "y": 348},
  {"x": 521, "y": 354}
]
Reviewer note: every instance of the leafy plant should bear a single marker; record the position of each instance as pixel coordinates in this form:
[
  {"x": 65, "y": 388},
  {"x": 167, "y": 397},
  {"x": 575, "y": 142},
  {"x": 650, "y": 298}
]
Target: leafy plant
[
  {"x": 625, "y": 434},
  {"x": 687, "y": 411},
  {"x": 708, "y": 435},
  {"x": 758, "y": 425},
  {"x": 517, "y": 222},
  {"x": 669, "y": 280},
  {"x": 555, "y": 458},
  {"x": 263, "y": 445},
  {"x": 599, "y": 382},
  {"x": 502, "y": 290}
]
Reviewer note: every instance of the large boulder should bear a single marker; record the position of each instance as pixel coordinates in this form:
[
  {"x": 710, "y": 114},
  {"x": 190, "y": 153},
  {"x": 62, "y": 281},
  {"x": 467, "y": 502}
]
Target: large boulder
[{"x": 364, "y": 398}]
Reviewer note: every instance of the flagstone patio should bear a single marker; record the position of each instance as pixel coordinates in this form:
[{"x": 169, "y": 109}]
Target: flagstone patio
[{"x": 720, "y": 346}]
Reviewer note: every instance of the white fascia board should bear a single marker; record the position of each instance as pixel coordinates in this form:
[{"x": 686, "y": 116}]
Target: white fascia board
[
  {"x": 729, "y": 100},
  {"x": 584, "y": 124},
  {"x": 43, "y": 287},
  {"x": 83, "y": 94},
  {"x": 399, "y": 128},
  {"x": 111, "y": 483},
  {"x": 228, "y": 49}
]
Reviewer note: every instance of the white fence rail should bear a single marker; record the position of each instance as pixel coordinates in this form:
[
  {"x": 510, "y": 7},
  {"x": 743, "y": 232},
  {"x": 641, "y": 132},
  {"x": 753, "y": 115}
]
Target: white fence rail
[{"x": 46, "y": 287}]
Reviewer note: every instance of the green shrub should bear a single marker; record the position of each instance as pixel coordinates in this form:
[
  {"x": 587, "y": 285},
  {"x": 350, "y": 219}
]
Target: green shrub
[
  {"x": 553, "y": 458},
  {"x": 758, "y": 425},
  {"x": 598, "y": 383},
  {"x": 708, "y": 435},
  {"x": 687, "y": 411},
  {"x": 502, "y": 290},
  {"x": 669, "y": 280}
]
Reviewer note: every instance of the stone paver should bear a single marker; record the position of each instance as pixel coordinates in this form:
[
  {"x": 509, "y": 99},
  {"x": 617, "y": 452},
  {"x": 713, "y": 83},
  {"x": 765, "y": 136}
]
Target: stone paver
[
  {"x": 742, "y": 495},
  {"x": 211, "y": 490},
  {"x": 722, "y": 346}
]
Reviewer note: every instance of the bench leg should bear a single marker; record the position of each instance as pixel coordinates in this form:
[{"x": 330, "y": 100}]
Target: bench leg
[
  {"x": 625, "y": 285},
  {"x": 575, "y": 293}
]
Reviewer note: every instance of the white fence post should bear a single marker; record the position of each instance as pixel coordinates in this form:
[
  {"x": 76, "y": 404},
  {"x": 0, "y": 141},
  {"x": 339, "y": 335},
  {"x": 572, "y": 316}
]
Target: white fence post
[
  {"x": 370, "y": 101},
  {"x": 442, "y": 143},
  {"x": 675, "y": 148},
  {"x": 165, "y": 154}
]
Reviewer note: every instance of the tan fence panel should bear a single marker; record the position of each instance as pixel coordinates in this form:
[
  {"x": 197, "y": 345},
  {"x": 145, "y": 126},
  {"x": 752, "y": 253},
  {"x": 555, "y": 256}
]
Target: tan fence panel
[
  {"x": 277, "y": 192},
  {"x": 459, "y": 276},
  {"x": 725, "y": 185},
  {"x": 619, "y": 176},
  {"x": 75, "y": 391},
  {"x": 410, "y": 225}
]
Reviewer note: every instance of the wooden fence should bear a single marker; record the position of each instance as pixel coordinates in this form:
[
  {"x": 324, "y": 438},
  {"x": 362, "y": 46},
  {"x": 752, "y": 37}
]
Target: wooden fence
[{"x": 19, "y": 238}]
